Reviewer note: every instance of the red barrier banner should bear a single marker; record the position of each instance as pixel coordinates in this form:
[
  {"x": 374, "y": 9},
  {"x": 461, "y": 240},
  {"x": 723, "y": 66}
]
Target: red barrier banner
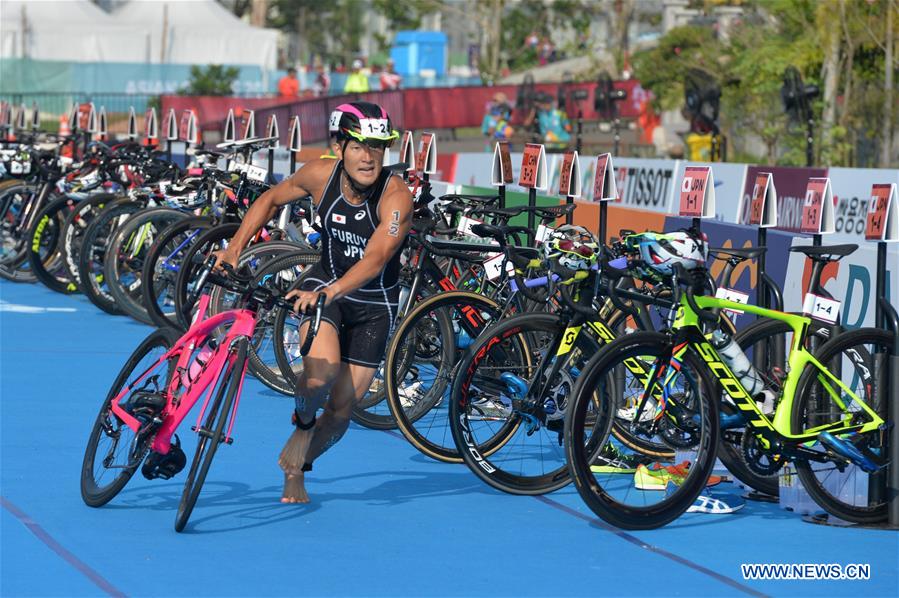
[{"x": 420, "y": 108}]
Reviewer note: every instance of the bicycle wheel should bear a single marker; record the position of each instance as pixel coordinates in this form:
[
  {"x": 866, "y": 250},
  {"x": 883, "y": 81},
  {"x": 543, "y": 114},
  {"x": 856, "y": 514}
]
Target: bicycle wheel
[
  {"x": 16, "y": 202},
  {"x": 211, "y": 434},
  {"x": 211, "y": 240},
  {"x": 633, "y": 490},
  {"x": 93, "y": 252},
  {"x": 124, "y": 263},
  {"x": 73, "y": 230},
  {"x": 113, "y": 446},
  {"x": 161, "y": 267},
  {"x": 45, "y": 246},
  {"x": 860, "y": 360},
  {"x": 421, "y": 363}
]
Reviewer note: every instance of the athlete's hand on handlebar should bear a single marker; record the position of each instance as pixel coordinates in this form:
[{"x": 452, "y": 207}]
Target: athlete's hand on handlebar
[
  {"x": 227, "y": 256},
  {"x": 306, "y": 300}
]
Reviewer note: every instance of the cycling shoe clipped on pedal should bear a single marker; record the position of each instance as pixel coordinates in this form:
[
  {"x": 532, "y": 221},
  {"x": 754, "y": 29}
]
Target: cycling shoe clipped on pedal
[
  {"x": 849, "y": 451},
  {"x": 157, "y": 465}
]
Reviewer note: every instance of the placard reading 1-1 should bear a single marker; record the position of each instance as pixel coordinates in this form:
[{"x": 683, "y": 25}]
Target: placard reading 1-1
[{"x": 697, "y": 193}]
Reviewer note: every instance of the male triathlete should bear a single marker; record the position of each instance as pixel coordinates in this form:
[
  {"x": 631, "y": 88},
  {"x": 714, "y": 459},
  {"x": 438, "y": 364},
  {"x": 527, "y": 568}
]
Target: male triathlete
[{"x": 365, "y": 214}]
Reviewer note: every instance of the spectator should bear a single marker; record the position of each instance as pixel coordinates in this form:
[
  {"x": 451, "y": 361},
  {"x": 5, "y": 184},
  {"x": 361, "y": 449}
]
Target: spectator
[
  {"x": 356, "y": 81},
  {"x": 289, "y": 85},
  {"x": 390, "y": 80},
  {"x": 532, "y": 40},
  {"x": 545, "y": 52},
  {"x": 322, "y": 81},
  {"x": 552, "y": 123},
  {"x": 495, "y": 125}
]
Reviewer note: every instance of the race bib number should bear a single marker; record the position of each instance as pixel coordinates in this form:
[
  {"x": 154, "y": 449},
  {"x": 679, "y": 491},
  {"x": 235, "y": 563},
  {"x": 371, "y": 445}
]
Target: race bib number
[
  {"x": 493, "y": 267},
  {"x": 374, "y": 126},
  {"x": 732, "y": 295},
  {"x": 821, "y": 308}
]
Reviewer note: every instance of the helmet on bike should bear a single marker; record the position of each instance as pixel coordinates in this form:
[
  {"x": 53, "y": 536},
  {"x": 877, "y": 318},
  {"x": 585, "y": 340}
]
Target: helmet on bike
[
  {"x": 661, "y": 251},
  {"x": 573, "y": 247},
  {"x": 363, "y": 122}
]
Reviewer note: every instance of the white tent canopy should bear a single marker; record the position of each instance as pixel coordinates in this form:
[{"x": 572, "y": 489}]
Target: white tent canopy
[
  {"x": 199, "y": 32},
  {"x": 72, "y": 30},
  {"x": 154, "y": 31}
]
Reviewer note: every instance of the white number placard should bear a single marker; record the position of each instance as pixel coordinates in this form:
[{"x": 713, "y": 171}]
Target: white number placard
[
  {"x": 465, "y": 226},
  {"x": 493, "y": 267},
  {"x": 732, "y": 295},
  {"x": 543, "y": 233},
  {"x": 821, "y": 308},
  {"x": 373, "y": 126}
]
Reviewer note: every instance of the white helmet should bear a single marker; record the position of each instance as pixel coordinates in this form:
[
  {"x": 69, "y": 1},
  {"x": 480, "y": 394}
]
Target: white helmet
[
  {"x": 660, "y": 252},
  {"x": 574, "y": 247}
]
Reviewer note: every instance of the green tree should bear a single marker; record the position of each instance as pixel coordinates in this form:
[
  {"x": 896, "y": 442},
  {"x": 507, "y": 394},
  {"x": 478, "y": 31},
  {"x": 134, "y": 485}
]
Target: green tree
[{"x": 213, "y": 80}]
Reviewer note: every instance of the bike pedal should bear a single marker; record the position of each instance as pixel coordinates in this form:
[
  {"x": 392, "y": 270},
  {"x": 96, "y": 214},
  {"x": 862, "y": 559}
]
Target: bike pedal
[
  {"x": 848, "y": 451},
  {"x": 228, "y": 440}
]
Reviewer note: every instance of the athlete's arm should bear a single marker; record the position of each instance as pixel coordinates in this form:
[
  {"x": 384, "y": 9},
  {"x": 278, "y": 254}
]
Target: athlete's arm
[
  {"x": 395, "y": 215},
  {"x": 310, "y": 179}
]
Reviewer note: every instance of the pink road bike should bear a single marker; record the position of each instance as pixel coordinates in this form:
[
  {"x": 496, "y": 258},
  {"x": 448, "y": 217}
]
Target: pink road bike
[{"x": 162, "y": 381}]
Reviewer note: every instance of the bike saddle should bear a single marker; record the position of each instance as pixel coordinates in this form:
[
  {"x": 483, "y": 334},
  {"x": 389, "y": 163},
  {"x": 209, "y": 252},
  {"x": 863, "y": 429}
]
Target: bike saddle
[
  {"x": 738, "y": 254},
  {"x": 826, "y": 253},
  {"x": 498, "y": 232}
]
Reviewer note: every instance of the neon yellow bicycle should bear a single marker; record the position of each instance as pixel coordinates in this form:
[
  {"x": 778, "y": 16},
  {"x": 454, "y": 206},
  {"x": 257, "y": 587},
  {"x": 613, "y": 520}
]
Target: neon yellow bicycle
[{"x": 829, "y": 416}]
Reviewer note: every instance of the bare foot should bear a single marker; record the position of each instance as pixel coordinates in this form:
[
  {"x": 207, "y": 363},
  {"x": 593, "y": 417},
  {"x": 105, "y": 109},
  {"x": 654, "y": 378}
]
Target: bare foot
[
  {"x": 294, "y": 489},
  {"x": 291, "y": 460}
]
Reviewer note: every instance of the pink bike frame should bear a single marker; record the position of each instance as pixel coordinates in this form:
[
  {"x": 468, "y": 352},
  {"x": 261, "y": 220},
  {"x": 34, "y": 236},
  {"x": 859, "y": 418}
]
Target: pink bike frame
[{"x": 241, "y": 323}]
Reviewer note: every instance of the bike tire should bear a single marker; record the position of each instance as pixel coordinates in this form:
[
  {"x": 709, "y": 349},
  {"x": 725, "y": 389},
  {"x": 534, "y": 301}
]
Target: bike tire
[
  {"x": 218, "y": 411},
  {"x": 92, "y": 493},
  {"x": 45, "y": 246}
]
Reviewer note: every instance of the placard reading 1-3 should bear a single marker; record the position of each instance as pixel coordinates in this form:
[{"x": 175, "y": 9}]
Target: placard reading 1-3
[
  {"x": 821, "y": 308},
  {"x": 697, "y": 193},
  {"x": 604, "y": 180},
  {"x": 883, "y": 214},
  {"x": 533, "y": 167},
  {"x": 817, "y": 209},
  {"x": 763, "y": 203},
  {"x": 184, "y": 125},
  {"x": 570, "y": 175},
  {"x": 502, "y": 165},
  {"x": 732, "y": 295}
]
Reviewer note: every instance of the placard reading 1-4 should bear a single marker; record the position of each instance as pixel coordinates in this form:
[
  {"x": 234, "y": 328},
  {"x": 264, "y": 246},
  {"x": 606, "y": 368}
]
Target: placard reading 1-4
[
  {"x": 883, "y": 214},
  {"x": 821, "y": 308}
]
